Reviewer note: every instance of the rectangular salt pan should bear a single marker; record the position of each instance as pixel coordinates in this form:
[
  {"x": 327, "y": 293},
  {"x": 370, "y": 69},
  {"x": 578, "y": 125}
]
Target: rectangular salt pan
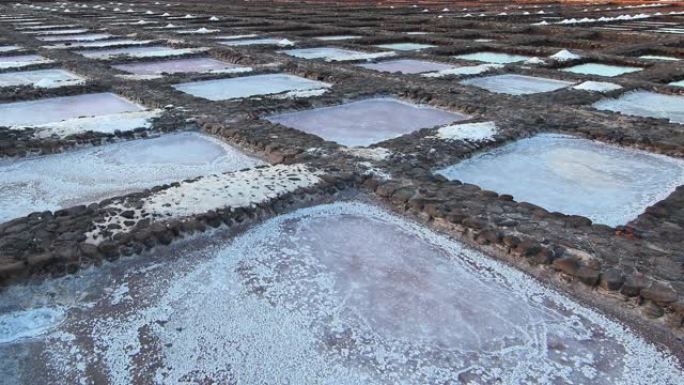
[
  {"x": 608, "y": 184},
  {"x": 407, "y": 66},
  {"x": 493, "y": 57},
  {"x": 246, "y": 86},
  {"x": 199, "y": 65},
  {"x": 262, "y": 41},
  {"x": 406, "y": 46},
  {"x": 679, "y": 83},
  {"x": 323, "y": 53},
  {"x": 646, "y": 104},
  {"x": 100, "y": 43},
  {"x": 9, "y": 48},
  {"x": 136, "y": 52},
  {"x": 83, "y": 176},
  {"x": 78, "y": 37},
  {"x": 337, "y": 37},
  {"x": 516, "y": 84},
  {"x": 659, "y": 57},
  {"x": 50, "y": 78},
  {"x": 62, "y": 108},
  {"x": 341, "y": 294},
  {"x": 601, "y": 69},
  {"x": 367, "y": 121},
  {"x": 19, "y": 61}
]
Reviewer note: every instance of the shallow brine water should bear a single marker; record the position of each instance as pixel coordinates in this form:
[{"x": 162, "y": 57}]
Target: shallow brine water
[
  {"x": 608, "y": 184},
  {"x": 678, "y": 83},
  {"x": 9, "y": 48},
  {"x": 18, "y": 61},
  {"x": 517, "y": 84},
  {"x": 493, "y": 57},
  {"x": 50, "y": 78},
  {"x": 260, "y": 41},
  {"x": 335, "y": 294},
  {"x": 601, "y": 69},
  {"x": 77, "y": 37},
  {"x": 62, "y": 108},
  {"x": 407, "y": 66},
  {"x": 89, "y": 175},
  {"x": 200, "y": 65},
  {"x": 246, "y": 86},
  {"x": 137, "y": 52},
  {"x": 366, "y": 121},
  {"x": 323, "y": 53},
  {"x": 406, "y": 46},
  {"x": 337, "y": 37},
  {"x": 646, "y": 104}
]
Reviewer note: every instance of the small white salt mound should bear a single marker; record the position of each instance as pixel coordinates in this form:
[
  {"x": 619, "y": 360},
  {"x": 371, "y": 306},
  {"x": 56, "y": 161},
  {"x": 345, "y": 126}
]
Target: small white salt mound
[
  {"x": 564, "y": 55},
  {"x": 597, "y": 86},
  {"x": 467, "y": 70},
  {"x": 285, "y": 43},
  {"x": 30, "y": 323},
  {"x": 475, "y": 132},
  {"x": 534, "y": 61},
  {"x": 213, "y": 18},
  {"x": 108, "y": 124}
]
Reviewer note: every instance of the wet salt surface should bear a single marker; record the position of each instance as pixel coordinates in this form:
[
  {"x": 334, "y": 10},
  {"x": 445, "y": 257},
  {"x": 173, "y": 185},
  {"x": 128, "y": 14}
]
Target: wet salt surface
[
  {"x": 406, "y": 46},
  {"x": 100, "y": 43},
  {"x": 493, "y": 57},
  {"x": 407, "y": 66},
  {"x": 200, "y": 65},
  {"x": 659, "y": 57},
  {"x": 9, "y": 48},
  {"x": 137, "y": 52},
  {"x": 517, "y": 84},
  {"x": 246, "y": 86},
  {"x": 49, "y": 78},
  {"x": 63, "y": 108},
  {"x": 335, "y": 294},
  {"x": 337, "y": 37},
  {"x": 646, "y": 104},
  {"x": 77, "y": 37},
  {"x": 321, "y": 53},
  {"x": 260, "y": 41},
  {"x": 608, "y": 184},
  {"x": 18, "y": 61},
  {"x": 365, "y": 122},
  {"x": 678, "y": 83},
  {"x": 88, "y": 175},
  {"x": 601, "y": 69}
]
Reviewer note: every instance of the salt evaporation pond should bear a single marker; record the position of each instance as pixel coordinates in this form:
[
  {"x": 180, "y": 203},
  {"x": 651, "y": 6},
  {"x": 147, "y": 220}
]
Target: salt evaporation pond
[
  {"x": 199, "y": 65},
  {"x": 246, "y": 86},
  {"x": 367, "y": 121},
  {"x": 646, "y": 104},
  {"x": 89, "y": 175},
  {"x": 337, "y": 37},
  {"x": 18, "y": 61},
  {"x": 678, "y": 83},
  {"x": 136, "y": 52},
  {"x": 63, "y": 108},
  {"x": 517, "y": 84},
  {"x": 260, "y": 41},
  {"x": 77, "y": 37},
  {"x": 407, "y": 66},
  {"x": 323, "y": 53},
  {"x": 601, "y": 69},
  {"x": 405, "y": 46},
  {"x": 335, "y": 294},
  {"x": 493, "y": 57},
  {"x": 605, "y": 183},
  {"x": 50, "y": 78},
  {"x": 9, "y": 48},
  {"x": 659, "y": 57}
]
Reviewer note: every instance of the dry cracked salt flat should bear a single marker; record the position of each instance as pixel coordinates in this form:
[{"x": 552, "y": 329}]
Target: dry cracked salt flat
[{"x": 343, "y": 293}]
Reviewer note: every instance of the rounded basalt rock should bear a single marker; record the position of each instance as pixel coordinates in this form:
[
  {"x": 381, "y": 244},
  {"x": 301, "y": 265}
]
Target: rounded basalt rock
[
  {"x": 611, "y": 279},
  {"x": 567, "y": 265},
  {"x": 588, "y": 275},
  {"x": 659, "y": 293},
  {"x": 633, "y": 285},
  {"x": 651, "y": 310}
]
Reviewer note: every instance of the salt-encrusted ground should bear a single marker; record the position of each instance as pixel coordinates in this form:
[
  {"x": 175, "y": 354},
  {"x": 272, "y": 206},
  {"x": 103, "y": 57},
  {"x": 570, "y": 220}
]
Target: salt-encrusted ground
[{"x": 337, "y": 294}]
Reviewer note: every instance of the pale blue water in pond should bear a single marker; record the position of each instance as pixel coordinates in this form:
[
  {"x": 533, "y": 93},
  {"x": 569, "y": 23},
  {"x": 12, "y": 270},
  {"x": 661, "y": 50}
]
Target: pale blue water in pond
[
  {"x": 406, "y": 46},
  {"x": 242, "y": 87},
  {"x": 493, "y": 57},
  {"x": 337, "y": 37},
  {"x": 646, "y": 104},
  {"x": 140, "y": 52},
  {"x": 176, "y": 66},
  {"x": 260, "y": 41},
  {"x": 601, "y": 69},
  {"x": 366, "y": 121},
  {"x": 40, "y": 78},
  {"x": 62, "y": 108},
  {"x": 516, "y": 84},
  {"x": 658, "y": 57},
  {"x": 606, "y": 183},
  {"x": 407, "y": 66},
  {"x": 321, "y": 53},
  {"x": 678, "y": 83}
]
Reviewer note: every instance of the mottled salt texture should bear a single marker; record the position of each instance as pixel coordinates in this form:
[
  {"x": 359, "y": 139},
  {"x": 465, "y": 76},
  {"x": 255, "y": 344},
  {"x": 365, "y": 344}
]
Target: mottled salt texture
[
  {"x": 138, "y": 52},
  {"x": 21, "y": 114},
  {"x": 337, "y": 37},
  {"x": 261, "y": 41},
  {"x": 242, "y": 87},
  {"x": 517, "y": 84},
  {"x": 100, "y": 43},
  {"x": 9, "y": 48},
  {"x": 341, "y": 294},
  {"x": 659, "y": 57},
  {"x": 475, "y": 132},
  {"x": 407, "y": 66},
  {"x": 30, "y": 323},
  {"x": 50, "y": 78},
  {"x": 406, "y": 46},
  {"x": 77, "y": 37},
  {"x": 608, "y": 184},
  {"x": 366, "y": 121},
  {"x": 88, "y": 175},
  {"x": 647, "y": 104},
  {"x": 19, "y": 61},
  {"x": 601, "y": 69},
  {"x": 107, "y": 124},
  {"x": 678, "y": 83},
  {"x": 59, "y": 31},
  {"x": 334, "y": 54},
  {"x": 493, "y": 57},
  {"x": 200, "y": 65},
  {"x": 597, "y": 86},
  {"x": 462, "y": 71}
]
